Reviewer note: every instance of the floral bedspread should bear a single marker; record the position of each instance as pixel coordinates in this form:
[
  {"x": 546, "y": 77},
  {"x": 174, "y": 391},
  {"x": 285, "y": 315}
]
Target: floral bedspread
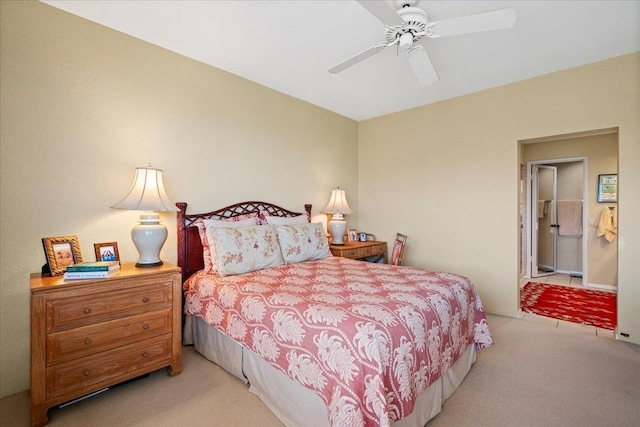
[{"x": 368, "y": 338}]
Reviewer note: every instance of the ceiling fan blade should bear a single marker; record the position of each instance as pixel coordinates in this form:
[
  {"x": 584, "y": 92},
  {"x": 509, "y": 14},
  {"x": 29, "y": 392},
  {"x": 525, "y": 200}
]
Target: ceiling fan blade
[
  {"x": 422, "y": 66},
  {"x": 487, "y": 21},
  {"x": 359, "y": 57},
  {"x": 383, "y": 11}
]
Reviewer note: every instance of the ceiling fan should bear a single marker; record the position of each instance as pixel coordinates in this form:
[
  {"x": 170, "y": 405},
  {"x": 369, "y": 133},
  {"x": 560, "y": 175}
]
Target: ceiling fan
[{"x": 407, "y": 26}]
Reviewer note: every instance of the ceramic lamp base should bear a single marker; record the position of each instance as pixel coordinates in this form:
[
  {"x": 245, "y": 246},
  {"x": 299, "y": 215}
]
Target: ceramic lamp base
[
  {"x": 337, "y": 229},
  {"x": 149, "y": 237}
]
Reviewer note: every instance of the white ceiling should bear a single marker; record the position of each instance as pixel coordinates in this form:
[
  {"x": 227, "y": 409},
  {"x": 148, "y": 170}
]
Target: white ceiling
[{"x": 289, "y": 45}]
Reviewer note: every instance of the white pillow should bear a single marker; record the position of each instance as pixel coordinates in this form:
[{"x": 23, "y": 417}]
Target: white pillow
[
  {"x": 304, "y": 242},
  {"x": 245, "y": 249},
  {"x": 287, "y": 220},
  {"x": 209, "y": 250}
]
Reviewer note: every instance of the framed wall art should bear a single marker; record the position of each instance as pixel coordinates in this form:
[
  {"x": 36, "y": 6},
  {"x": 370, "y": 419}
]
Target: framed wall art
[
  {"x": 61, "y": 252},
  {"x": 107, "y": 251},
  {"x": 608, "y": 188}
]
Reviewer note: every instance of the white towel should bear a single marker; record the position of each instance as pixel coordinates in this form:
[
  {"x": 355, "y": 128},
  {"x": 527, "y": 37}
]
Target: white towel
[
  {"x": 570, "y": 217},
  {"x": 608, "y": 224}
]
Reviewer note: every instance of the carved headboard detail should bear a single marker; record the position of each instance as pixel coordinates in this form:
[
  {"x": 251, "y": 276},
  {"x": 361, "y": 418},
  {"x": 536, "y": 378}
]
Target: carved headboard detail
[{"x": 189, "y": 245}]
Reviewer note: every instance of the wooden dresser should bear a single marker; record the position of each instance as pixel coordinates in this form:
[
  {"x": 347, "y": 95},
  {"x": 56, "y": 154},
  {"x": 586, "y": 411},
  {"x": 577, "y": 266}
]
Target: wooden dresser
[
  {"x": 361, "y": 250},
  {"x": 89, "y": 334}
]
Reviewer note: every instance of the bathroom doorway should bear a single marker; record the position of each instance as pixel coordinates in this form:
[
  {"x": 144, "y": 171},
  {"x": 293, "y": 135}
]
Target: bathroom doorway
[{"x": 584, "y": 157}]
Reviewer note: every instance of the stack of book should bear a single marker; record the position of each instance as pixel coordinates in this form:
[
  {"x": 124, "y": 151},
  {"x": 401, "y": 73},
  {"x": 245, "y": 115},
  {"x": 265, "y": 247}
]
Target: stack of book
[{"x": 92, "y": 270}]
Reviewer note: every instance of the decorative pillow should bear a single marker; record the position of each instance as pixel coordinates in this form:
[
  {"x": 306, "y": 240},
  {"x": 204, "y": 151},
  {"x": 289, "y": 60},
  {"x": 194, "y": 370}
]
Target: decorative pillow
[
  {"x": 305, "y": 242},
  {"x": 245, "y": 249},
  {"x": 208, "y": 253}
]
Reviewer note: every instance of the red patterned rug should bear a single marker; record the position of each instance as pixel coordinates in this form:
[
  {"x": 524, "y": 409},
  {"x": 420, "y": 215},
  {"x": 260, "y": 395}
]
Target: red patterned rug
[{"x": 586, "y": 306}]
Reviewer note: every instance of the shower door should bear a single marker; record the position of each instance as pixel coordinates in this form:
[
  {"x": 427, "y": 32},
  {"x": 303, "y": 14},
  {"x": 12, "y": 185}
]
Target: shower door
[{"x": 543, "y": 218}]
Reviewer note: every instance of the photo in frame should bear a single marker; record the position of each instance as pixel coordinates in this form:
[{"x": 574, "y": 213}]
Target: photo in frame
[
  {"x": 352, "y": 235},
  {"x": 608, "y": 188},
  {"x": 107, "y": 251},
  {"x": 61, "y": 252}
]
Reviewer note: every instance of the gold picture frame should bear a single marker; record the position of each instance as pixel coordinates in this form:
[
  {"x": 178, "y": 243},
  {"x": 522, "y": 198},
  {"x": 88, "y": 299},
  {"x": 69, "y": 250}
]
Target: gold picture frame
[
  {"x": 61, "y": 252},
  {"x": 107, "y": 251}
]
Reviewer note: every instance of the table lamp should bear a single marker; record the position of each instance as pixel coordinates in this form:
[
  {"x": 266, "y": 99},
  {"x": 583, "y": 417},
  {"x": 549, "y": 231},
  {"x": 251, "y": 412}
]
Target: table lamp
[
  {"x": 338, "y": 207},
  {"x": 148, "y": 194}
]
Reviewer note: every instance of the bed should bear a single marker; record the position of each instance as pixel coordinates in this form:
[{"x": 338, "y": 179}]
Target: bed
[{"x": 323, "y": 340}]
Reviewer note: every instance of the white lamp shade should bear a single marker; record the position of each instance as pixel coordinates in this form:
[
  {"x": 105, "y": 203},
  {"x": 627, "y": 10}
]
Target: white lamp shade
[
  {"x": 337, "y": 207},
  {"x": 338, "y": 203},
  {"x": 147, "y": 194}
]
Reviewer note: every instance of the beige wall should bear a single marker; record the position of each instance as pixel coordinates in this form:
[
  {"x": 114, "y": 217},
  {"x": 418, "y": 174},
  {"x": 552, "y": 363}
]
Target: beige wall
[
  {"x": 601, "y": 152},
  {"x": 451, "y": 181},
  {"x": 83, "y": 105}
]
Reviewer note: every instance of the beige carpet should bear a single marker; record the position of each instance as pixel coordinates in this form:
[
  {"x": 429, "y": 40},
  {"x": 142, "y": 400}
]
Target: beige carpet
[{"x": 534, "y": 375}]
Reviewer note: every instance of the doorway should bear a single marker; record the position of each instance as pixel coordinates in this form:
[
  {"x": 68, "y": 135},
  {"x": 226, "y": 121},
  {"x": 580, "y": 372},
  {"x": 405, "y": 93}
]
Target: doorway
[
  {"x": 557, "y": 217},
  {"x": 592, "y": 256}
]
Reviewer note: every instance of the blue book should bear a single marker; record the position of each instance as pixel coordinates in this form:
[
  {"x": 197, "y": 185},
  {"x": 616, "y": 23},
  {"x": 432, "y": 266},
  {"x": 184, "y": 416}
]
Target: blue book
[{"x": 94, "y": 266}]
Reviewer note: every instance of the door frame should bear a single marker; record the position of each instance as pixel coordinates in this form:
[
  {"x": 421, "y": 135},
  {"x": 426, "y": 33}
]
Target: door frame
[{"x": 530, "y": 211}]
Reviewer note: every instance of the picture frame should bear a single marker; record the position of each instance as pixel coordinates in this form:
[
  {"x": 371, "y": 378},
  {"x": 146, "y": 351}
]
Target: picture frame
[
  {"x": 107, "y": 251},
  {"x": 61, "y": 252},
  {"x": 352, "y": 235},
  {"x": 608, "y": 188},
  {"x": 363, "y": 237}
]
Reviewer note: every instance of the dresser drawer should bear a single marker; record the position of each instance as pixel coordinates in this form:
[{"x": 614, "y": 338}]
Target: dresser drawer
[
  {"x": 368, "y": 251},
  {"x": 72, "y": 344},
  {"x": 109, "y": 367},
  {"x": 79, "y": 311},
  {"x": 350, "y": 253}
]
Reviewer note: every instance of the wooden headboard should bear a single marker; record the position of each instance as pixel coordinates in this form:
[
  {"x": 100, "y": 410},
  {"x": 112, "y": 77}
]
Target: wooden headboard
[{"x": 189, "y": 245}]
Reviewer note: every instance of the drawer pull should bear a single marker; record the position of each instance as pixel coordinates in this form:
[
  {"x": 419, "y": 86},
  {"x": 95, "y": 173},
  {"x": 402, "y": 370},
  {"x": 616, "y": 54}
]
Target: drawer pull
[
  {"x": 87, "y": 341},
  {"x": 86, "y": 373},
  {"x": 145, "y": 299},
  {"x": 87, "y": 310},
  {"x": 145, "y": 326},
  {"x": 145, "y": 354}
]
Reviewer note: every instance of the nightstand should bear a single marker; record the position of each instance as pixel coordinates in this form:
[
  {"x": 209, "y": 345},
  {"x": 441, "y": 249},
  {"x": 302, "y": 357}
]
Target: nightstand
[
  {"x": 361, "y": 250},
  {"x": 87, "y": 335}
]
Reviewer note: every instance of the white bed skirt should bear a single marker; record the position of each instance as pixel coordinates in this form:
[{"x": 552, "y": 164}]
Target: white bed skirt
[{"x": 294, "y": 404}]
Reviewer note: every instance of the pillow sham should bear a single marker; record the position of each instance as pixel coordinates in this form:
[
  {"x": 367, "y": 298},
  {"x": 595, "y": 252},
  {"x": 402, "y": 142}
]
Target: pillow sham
[
  {"x": 303, "y": 242},
  {"x": 245, "y": 249},
  {"x": 264, "y": 217},
  {"x": 208, "y": 253},
  {"x": 287, "y": 220}
]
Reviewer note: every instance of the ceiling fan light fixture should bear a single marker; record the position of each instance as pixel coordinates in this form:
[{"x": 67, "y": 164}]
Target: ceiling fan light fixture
[{"x": 406, "y": 40}]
